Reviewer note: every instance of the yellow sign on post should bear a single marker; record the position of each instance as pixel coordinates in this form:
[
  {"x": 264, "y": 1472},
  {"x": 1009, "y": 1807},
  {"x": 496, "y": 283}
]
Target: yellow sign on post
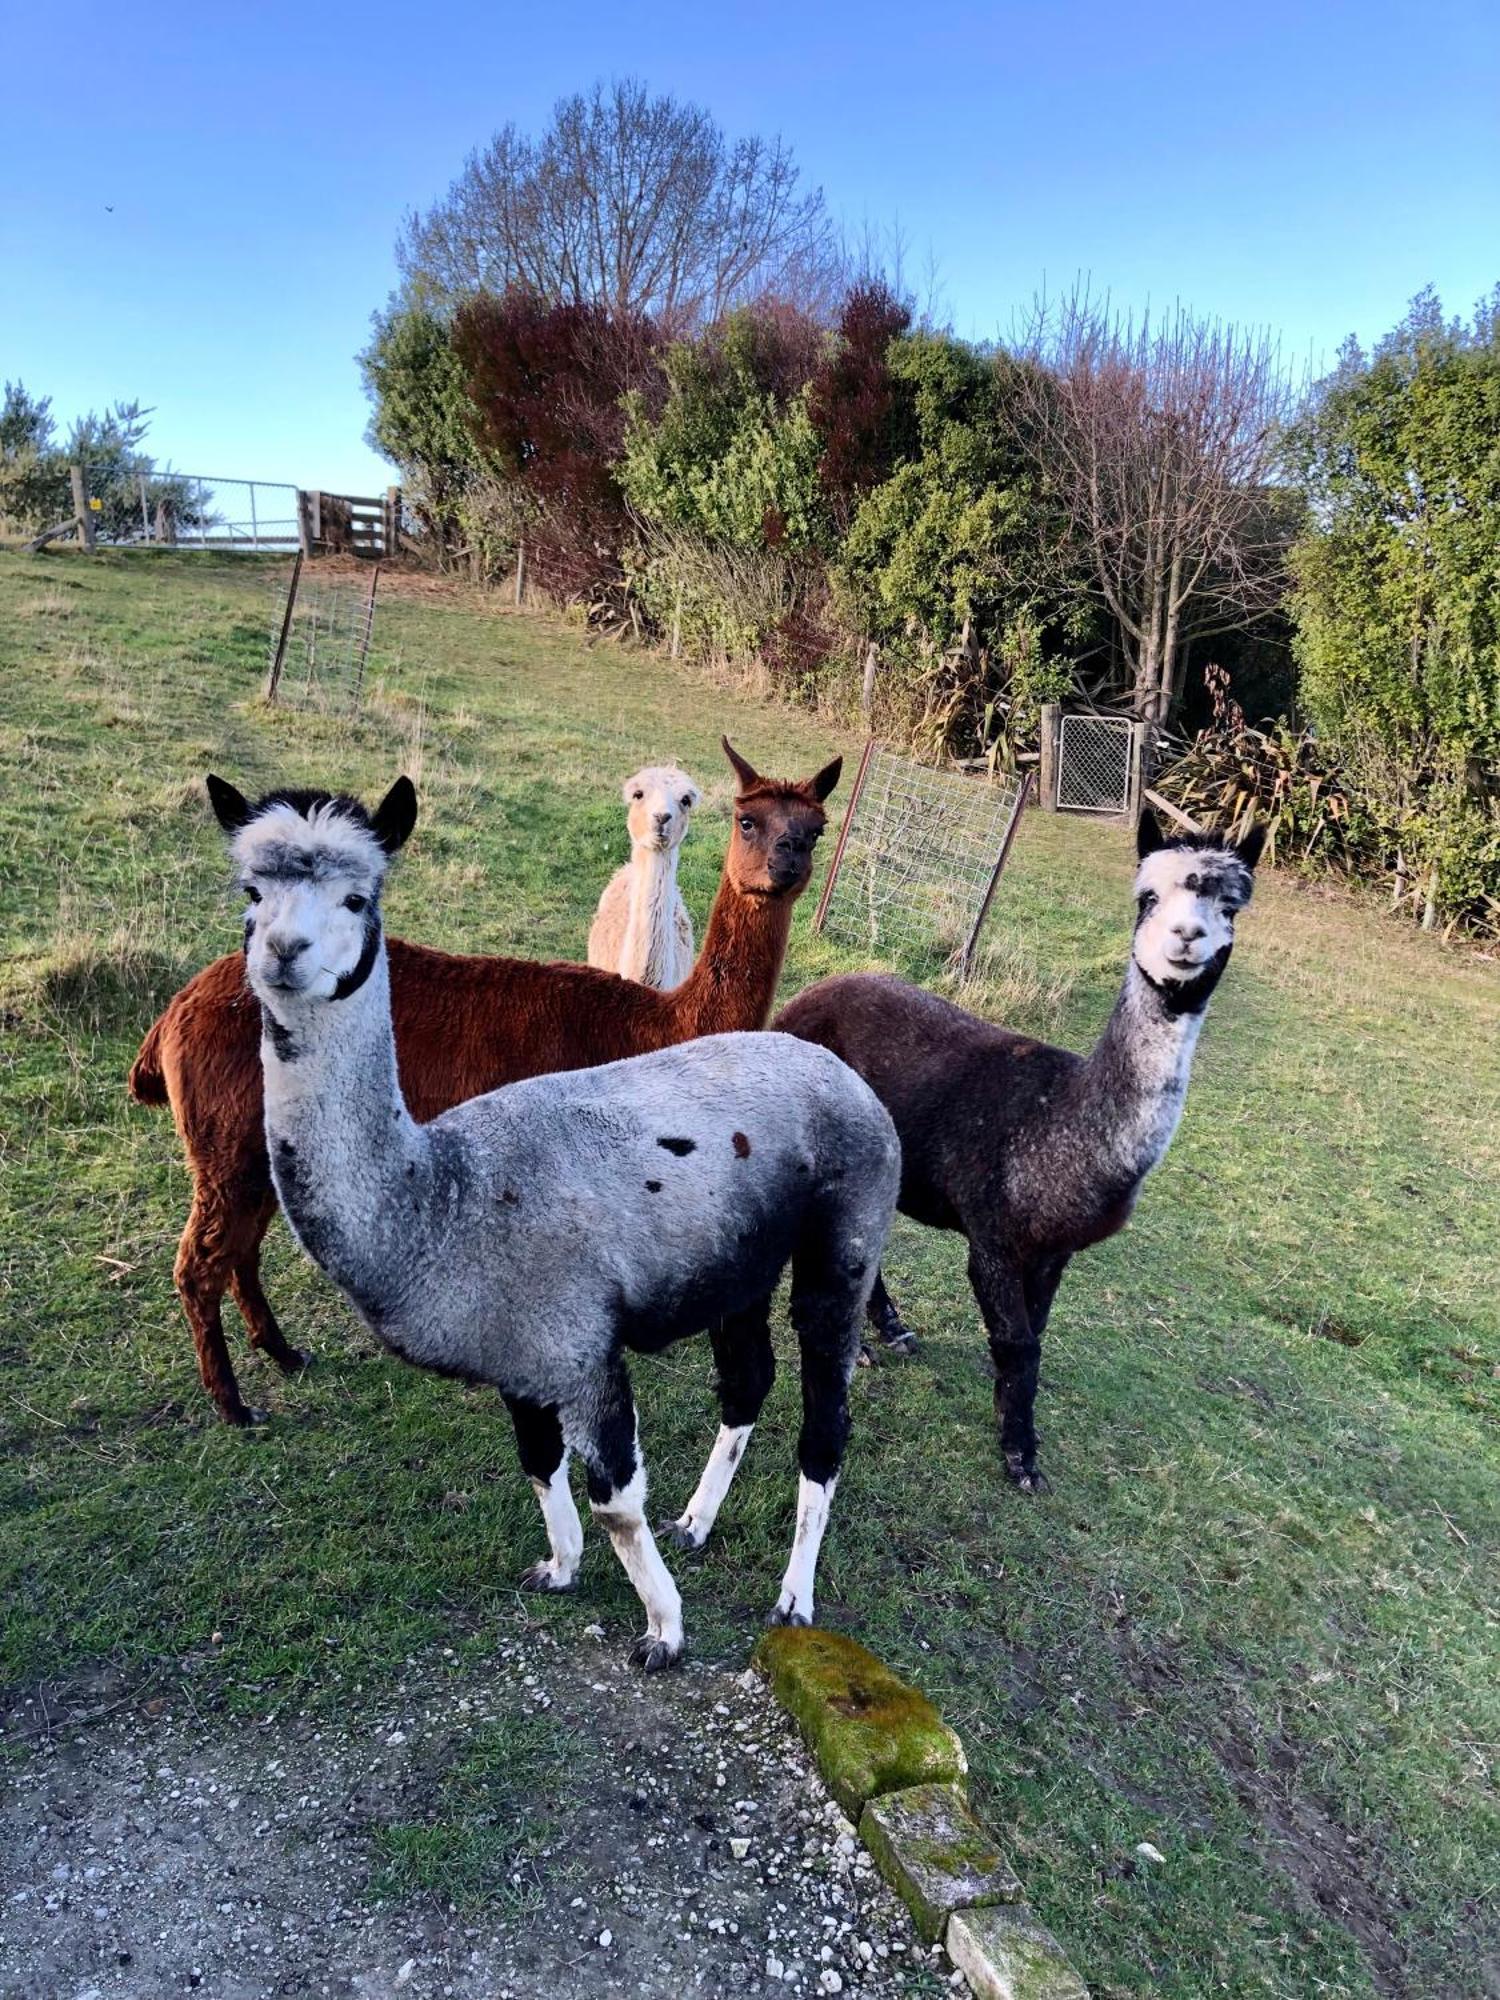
[{"x": 96, "y": 506}]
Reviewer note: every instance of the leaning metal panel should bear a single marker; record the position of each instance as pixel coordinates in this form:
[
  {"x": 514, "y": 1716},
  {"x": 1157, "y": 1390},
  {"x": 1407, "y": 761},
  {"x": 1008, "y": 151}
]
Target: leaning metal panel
[
  {"x": 1096, "y": 763},
  {"x": 919, "y": 857}
]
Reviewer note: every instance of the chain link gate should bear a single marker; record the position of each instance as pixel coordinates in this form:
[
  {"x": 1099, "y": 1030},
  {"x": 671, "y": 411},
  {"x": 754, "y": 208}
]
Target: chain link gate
[{"x": 1099, "y": 764}]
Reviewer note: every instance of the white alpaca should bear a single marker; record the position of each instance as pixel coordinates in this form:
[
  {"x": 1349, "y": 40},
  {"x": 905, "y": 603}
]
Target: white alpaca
[
  {"x": 642, "y": 929},
  {"x": 530, "y": 1237}
]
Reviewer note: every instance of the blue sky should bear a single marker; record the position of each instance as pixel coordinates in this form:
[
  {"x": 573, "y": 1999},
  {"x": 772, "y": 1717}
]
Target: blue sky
[{"x": 197, "y": 207}]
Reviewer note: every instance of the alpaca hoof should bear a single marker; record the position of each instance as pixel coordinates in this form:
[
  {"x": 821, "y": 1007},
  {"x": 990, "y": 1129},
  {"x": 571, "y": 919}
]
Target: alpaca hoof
[
  {"x": 542, "y": 1576},
  {"x": 898, "y": 1339},
  {"x": 866, "y": 1357},
  {"x": 654, "y": 1656},
  {"x": 788, "y": 1614},
  {"x": 243, "y": 1418},
  {"x": 1026, "y": 1477},
  {"x": 297, "y": 1362},
  {"x": 680, "y": 1536}
]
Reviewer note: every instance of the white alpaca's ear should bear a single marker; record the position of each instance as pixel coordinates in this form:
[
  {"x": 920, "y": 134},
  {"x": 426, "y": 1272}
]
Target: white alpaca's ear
[
  {"x": 231, "y": 807},
  {"x": 395, "y": 816}
]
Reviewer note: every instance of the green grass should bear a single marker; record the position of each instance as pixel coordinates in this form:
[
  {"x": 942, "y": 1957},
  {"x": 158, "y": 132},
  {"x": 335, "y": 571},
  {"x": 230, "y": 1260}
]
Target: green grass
[{"x": 1254, "y": 1623}]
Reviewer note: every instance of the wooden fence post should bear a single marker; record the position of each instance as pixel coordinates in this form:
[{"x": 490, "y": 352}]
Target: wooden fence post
[
  {"x": 278, "y": 658},
  {"x": 1051, "y": 731},
  {"x": 87, "y": 532},
  {"x": 390, "y": 521},
  {"x": 520, "y": 572},
  {"x": 304, "y": 522}
]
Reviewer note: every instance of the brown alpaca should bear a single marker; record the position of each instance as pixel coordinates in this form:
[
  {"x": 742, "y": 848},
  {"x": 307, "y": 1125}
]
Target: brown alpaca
[{"x": 463, "y": 1026}]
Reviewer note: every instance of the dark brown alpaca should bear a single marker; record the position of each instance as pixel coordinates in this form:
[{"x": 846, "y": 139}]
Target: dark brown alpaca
[
  {"x": 463, "y": 1026},
  {"x": 1034, "y": 1153}
]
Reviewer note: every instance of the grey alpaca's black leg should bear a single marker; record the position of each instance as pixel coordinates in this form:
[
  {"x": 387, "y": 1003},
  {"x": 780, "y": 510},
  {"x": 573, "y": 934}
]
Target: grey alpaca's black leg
[
  {"x": 746, "y": 1366},
  {"x": 544, "y": 1460},
  {"x": 1016, "y": 1353},
  {"x": 825, "y": 1312},
  {"x": 603, "y": 1432},
  {"x": 896, "y": 1337}
]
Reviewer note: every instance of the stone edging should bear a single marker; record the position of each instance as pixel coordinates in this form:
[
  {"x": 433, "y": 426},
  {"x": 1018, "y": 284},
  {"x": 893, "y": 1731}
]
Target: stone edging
[{"x": 899, "y": 1772}]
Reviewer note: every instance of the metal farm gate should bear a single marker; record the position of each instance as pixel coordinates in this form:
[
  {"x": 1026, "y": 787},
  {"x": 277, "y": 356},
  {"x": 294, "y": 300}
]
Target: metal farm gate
[{"x": 1098, "y": 764}]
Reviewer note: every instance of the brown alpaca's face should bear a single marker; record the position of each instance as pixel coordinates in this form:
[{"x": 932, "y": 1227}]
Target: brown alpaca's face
[
  {"x": 776, "y": 828},
  {"x": 771, "y": 849}
]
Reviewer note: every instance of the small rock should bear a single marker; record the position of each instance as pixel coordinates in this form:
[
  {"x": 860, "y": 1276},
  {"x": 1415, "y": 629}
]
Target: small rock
[
  {"x": 1149, "y": 1853},
  {"x": 739, "y": 1849},
  {"x": 830, "y": 1981},
  {"x": 396, "y": 1738},
  {"x": 606, "y": 1939},
  {"x": 404, "y": 1974}
]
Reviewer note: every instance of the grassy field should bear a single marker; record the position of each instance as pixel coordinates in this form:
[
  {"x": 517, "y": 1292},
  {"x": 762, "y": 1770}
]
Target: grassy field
[{"x": 1254, "y": 1622}]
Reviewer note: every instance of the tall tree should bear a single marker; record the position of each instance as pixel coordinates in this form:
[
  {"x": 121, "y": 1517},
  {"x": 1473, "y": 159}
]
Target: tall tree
[
  {"x": 632, "y": 202},
  {"x": 1160, "y": 438}
]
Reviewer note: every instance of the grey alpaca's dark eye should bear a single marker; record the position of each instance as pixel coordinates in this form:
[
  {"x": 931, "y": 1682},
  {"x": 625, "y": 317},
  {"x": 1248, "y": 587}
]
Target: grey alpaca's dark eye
[
  {"x": 1146, "y": 900},
  {"x": 356, "y": 903},
  {"x": 687, "y": 805},
  {"x": 252, "y": 892},
  {"x": 637, "y": 795}
]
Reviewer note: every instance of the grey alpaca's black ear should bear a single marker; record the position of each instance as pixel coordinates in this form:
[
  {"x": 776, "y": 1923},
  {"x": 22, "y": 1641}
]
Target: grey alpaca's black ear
[
  {"x": 395, "y": 816},
  {"x": 231, "y": 808},
  {"x": 826, "y": 779},
  {"x": 1147, "y": 834},
  {"x": 745, "y": 771},
  {"x": 1249, "y": 849}
]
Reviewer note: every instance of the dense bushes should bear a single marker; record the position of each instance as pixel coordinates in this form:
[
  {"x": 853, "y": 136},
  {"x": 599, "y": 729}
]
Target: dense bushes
[{"x": 785, "y": 496}]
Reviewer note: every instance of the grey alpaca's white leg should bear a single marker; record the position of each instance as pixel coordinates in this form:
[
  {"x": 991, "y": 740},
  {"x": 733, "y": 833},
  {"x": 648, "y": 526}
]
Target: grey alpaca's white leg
[
  {"x": 694, "y": 1524},
  {"x": 544, "y": 1459},
  {"x": 623, "y": 1518},
  {"x": 746, "y": 1364},
  {"x": 564, "y": 1533},
  {"x": 795, "y": 1604}
]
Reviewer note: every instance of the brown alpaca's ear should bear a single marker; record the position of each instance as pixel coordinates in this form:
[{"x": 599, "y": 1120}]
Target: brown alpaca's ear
[
  {"x": 826, "y": 779},
  {"x": 231, "y": 808},
  {"x": 746, "y": 772},
  {"x": 395, "y": 816}
]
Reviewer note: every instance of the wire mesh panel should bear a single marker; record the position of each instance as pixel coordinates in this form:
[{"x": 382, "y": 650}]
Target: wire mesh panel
[
  {"x": 1096, "y": 763},
  {"x": 919, "y": 857},
  {"x": 320, "y": 637}
]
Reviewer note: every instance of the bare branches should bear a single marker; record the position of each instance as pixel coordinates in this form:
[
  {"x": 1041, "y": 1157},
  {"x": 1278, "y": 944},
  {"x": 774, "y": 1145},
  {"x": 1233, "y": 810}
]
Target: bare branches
[
  {"x": 1160, "y": 438},
  {"x": 632, "y": 202}
]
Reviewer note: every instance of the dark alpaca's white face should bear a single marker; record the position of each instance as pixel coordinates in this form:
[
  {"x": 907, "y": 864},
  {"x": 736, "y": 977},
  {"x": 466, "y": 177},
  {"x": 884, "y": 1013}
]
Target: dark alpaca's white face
[
  {"x": 1187, "y": 899},
  {"x": 313, "y": 892}
]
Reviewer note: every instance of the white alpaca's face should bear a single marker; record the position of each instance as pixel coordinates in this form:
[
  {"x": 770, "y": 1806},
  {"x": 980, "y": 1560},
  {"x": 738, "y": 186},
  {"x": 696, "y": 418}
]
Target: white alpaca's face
[
  {"x": 659, "y": 802},
  {"x": 312, "y": 925},
  {"x": 1187, "y": 899}
]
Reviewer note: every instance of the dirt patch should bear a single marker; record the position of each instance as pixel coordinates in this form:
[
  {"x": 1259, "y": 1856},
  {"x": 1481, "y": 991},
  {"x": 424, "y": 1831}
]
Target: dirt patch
[{"x": 676, "y": 1841}]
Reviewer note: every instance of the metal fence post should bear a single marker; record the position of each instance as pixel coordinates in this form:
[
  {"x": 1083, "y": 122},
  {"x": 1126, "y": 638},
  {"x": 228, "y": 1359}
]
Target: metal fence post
[
  {"x": 838, "y": 853},
  {"x": 965, "y": 958},
  {"x": 273, "y": 679}
]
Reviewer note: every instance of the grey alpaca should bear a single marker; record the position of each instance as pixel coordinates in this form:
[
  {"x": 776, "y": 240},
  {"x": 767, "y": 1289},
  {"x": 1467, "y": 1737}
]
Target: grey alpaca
[
  {"x": 529, "y": 1237},
  {"x": 1032, "y": 1152}
]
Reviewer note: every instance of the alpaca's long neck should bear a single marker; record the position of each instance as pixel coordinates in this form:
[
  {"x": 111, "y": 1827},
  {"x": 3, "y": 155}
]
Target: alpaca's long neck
[
  {"x": 1128, "y": 1095},
  {"x": 733, "y": 984},
  {"x": 648, "y": 949},
  {"x": 346, "y": 1155}
]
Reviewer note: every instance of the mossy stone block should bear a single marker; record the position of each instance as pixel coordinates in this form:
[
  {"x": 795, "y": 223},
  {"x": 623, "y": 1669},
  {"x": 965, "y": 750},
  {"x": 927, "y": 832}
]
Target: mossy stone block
[
  {"x": 1005, "y": 1954},
  {"x": 936, "y": 1855},
  {"x": 869, "y": 1731}
]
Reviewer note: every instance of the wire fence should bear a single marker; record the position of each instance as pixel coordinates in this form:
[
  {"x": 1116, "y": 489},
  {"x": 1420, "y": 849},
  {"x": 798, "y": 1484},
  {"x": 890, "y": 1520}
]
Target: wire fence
[
  {"x": 321, "y": 628},
  {"x": 919, "y": 857}
]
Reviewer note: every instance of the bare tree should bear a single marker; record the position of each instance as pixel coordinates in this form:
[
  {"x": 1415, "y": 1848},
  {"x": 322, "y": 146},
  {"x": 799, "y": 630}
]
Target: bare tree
[
  {"x": 632, "y": 202},
  {"x": 1160, "y": 439}
]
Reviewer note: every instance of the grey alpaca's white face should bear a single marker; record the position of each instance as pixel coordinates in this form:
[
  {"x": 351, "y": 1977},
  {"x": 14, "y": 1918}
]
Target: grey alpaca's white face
[
  {"x": 313, "y": 887},
  {"x": 1187, "y": 899},
  {"x": 659, "y": 801}
]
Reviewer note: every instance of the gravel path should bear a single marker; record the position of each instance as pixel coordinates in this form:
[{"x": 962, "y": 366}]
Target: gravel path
[{"x": 686, "y": 1846}]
